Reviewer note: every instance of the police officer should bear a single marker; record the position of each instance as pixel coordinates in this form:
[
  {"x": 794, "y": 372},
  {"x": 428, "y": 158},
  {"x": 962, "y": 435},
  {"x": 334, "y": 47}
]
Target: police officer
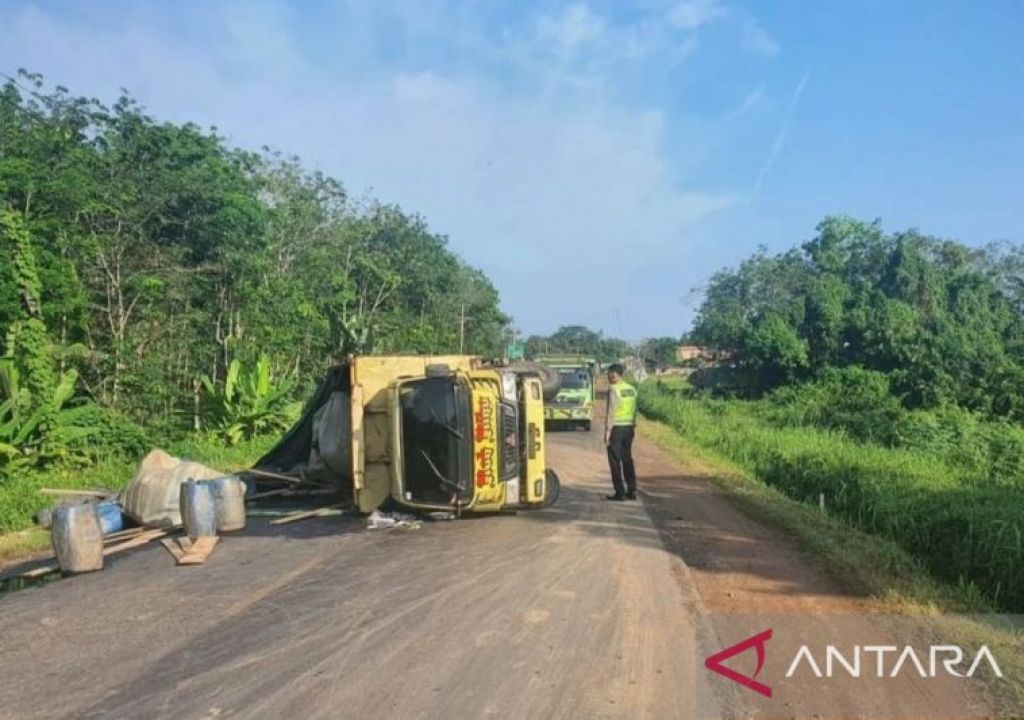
[{"x": 619, "y": 429}]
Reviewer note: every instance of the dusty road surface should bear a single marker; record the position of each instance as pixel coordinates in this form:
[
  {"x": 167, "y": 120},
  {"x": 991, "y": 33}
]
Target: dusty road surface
[{"x": 589, "y": 609}]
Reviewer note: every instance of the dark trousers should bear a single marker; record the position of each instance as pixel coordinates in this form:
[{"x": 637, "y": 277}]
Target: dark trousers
[{"x": 620, "y": 457}]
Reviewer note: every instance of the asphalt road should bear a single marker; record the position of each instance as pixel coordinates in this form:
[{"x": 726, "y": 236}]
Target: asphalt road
[
  {"x": 588, "y": 609},
  {"x": 540, "y": 614}
]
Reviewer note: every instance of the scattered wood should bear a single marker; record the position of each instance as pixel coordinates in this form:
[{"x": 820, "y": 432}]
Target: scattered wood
[
  {"x": 188, "y": 552},
  {"x": 288, "y": 492},
  {"x": 138, "y": 541},
  {"x": 39, "y": 572},
  {"x": 271, "y": 475},
  {"x": 200, "y": 550},
  {"x": 173, "y": 548},
  {"x": 304, "y": 514},
  {"x": 125, "y": 534},
  {"x": 84, "y": 493}
]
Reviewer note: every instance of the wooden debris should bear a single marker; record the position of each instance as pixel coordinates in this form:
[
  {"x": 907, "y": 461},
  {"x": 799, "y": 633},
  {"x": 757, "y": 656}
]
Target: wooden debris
[
  {"x": 39, "y": 572},
  {"x": 173, "y": 548},
  {"x": 137, "y": 541},
  {"x": 271, "y": 475},
  {"x": 187, "y": 552},
  {"x": 124, "y": 534},
  {"x": 86, "y": 493},
  {"x": 304, "y": 514}
]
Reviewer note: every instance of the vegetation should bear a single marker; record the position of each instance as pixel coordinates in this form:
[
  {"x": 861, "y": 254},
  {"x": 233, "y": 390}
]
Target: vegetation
[
  {"x": 162, "y": 282},
  {"x": 248, "y": 404},
  {"x": 659, "y": 352},
  {"x": 943, "y": 322},
  {"x": 577, "y": 340}
]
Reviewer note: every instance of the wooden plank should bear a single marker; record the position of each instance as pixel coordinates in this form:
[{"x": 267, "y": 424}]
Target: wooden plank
[
  {"x": 138, "y": 541},
  {"x": 39, "y": 572},
  {"x": 271, "y": 475},
  {"x": 86, "y": 493},
  {"x": 125, "y": 534},
  {"x": 199, "y": 551},
  {"x": 173, "y": 548},
  {"x": 302, "y": 515}
]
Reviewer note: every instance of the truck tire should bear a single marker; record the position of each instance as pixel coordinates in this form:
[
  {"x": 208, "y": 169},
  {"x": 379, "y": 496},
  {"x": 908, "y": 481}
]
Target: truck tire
[
  {"x": 550, "y": 380},
  {"x": 552, "y": 488},
  {"x": 438, "y": 370},
  {"x": 586, "y": 425}
]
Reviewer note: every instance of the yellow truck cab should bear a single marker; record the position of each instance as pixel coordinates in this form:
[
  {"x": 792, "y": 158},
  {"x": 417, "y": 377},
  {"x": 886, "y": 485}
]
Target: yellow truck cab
[{"x": 425, "y": 432}]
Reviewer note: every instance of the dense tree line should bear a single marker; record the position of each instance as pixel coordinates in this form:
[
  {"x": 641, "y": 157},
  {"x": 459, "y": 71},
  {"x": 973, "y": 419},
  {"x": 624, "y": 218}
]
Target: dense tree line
[
  {"x": 577, "y": 340},
  {"x": 941, "y": 321},
  {"x": 141, "y": 256}
]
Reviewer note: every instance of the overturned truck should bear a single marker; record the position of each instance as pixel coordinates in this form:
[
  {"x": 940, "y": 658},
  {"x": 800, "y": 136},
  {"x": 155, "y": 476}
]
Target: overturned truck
[{"x": 427, "y": 433}]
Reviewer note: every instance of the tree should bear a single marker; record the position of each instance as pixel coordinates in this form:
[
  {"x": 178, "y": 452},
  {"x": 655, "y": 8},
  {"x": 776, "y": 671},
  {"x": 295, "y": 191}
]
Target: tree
[
  {"x": 661, "y": 352},
  {"x": 942, "y": 321}
]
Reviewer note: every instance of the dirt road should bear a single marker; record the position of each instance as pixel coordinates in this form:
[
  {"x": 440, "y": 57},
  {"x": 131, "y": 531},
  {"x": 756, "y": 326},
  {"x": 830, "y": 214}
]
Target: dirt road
[{"x": 588, "y": 609}]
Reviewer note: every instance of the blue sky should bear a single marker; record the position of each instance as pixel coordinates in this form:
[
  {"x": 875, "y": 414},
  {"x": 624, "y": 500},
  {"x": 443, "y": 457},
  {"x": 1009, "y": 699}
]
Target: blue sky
[{"x": 598, "y": 160}]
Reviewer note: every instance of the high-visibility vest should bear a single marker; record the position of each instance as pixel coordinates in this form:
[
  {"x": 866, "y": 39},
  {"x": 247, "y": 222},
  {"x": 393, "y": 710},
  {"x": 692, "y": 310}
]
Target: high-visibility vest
[{"x": 625, "y": 405}]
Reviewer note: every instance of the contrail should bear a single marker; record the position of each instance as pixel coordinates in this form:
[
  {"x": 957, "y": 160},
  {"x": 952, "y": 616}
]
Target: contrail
[{"x": 780, "y": 138}]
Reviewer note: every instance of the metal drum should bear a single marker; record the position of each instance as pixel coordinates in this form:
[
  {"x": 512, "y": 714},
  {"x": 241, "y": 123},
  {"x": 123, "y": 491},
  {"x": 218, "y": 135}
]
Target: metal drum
[
  {"x": 229, "y": 495},
  {"x": 198, "y": 509},
  {"x": 77, "y": 538}
]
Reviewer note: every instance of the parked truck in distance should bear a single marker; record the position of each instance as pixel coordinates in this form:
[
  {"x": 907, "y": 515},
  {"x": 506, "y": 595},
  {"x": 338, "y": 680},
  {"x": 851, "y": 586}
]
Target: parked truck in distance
[
  {"x": 573, "y": 405},
  {"x": 427, "y": 433}
]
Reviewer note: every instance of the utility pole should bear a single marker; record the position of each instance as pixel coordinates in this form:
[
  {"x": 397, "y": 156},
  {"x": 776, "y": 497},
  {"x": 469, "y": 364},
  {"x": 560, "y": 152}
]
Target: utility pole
[{"x": 462, "y": 329}]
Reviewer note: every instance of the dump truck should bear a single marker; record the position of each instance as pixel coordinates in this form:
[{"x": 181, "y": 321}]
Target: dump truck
[
  {"x": 425, "y": 433},
  {"x": 573, "y": 405}
]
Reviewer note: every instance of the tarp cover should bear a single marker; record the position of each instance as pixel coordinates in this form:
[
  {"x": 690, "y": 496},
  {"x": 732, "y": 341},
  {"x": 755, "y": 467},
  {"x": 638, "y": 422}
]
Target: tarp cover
[
  {"x": 152, "y": 497},
  {"x": 319, "y": 445}
]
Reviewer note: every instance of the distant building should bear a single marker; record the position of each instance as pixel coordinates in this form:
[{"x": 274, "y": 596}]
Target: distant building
[{"x": 693, "y": 352}]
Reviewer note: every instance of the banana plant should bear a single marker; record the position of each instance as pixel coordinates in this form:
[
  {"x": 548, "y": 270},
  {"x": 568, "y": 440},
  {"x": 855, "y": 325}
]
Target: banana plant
[
  {"x": 248, "y": 402},
  {"x": 38, "y": 429}
]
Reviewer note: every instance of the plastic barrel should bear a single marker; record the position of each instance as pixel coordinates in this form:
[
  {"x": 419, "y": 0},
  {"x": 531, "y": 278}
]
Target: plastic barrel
[
  {"x": 229, "y": 494},
  {"x": 77, "y": 538},
  {"x": 198, "y": 509},
  {"x": 111, "y": 516}
]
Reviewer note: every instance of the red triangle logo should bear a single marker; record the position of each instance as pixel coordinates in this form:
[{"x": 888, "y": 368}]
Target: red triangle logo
[{"x": 714, "y": 663}]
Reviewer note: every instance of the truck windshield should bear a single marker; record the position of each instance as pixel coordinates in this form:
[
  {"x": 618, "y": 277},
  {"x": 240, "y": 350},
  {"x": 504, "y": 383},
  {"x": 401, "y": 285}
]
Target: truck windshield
[
  {"x": 436, "y": 441},
  {"x": 575, "y": 379}
]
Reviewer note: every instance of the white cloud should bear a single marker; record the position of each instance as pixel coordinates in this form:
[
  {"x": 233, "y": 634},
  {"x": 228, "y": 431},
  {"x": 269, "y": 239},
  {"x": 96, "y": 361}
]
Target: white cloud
[
  {"x": 757, "y": 39},
  {"x": 693, "y": 14},
  {"x": 576, "y": 26}
]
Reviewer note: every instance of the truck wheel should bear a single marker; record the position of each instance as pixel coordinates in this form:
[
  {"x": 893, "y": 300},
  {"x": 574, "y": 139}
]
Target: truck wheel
[
  {"x": 552, "y": 488},
  {"x": 586, "y": 425},
  {"x": 437, "y": 371}
]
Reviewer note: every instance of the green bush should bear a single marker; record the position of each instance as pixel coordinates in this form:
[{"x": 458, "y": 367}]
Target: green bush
[
  {"x": 249, "y": 402},
  {"x": 962, "y": 527}
]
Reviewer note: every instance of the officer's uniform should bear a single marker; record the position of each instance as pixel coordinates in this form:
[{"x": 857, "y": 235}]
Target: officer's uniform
[{"x": 621, "y": 420}]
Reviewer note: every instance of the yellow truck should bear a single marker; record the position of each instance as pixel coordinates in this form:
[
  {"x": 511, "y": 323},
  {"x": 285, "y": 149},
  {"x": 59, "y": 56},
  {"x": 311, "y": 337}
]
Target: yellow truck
[
  {"x": 573, "y": 405},
  {"x": 451, "y": 432}
]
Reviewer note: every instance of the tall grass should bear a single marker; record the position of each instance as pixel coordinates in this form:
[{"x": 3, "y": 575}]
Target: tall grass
[{"x": 964, "y": 528}]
